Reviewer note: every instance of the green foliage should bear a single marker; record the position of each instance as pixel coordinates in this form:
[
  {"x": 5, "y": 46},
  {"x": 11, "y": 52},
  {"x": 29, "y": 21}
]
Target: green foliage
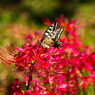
[{"x": 30, "y": 12}]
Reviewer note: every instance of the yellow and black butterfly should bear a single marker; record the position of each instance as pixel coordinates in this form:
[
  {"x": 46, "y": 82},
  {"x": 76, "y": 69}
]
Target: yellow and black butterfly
[{"x": 51, "y": 36}]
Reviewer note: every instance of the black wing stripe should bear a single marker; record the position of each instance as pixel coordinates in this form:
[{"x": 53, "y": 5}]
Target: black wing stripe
[
  {"x": 55, "y": 26},
  {"x": 52, "y": 27}
]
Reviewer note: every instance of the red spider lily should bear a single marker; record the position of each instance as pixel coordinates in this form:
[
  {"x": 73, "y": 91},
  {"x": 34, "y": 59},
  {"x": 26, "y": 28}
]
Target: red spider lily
[
  {"x": 53, "y": 71},
  {"x": 15, "y": 88}
]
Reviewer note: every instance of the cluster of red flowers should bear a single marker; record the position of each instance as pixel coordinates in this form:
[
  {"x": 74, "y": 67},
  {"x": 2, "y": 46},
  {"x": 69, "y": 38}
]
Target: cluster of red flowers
[{"x": 54, "y": 71}]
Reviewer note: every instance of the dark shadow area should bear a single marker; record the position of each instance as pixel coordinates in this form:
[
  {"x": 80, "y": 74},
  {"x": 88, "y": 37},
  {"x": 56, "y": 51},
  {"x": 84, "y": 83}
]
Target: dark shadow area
[{"x": 18, "y": 8}]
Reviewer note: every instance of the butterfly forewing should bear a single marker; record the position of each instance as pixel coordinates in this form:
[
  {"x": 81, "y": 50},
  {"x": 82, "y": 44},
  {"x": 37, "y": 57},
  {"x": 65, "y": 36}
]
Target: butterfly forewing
[{"x": 49, "y": 30}]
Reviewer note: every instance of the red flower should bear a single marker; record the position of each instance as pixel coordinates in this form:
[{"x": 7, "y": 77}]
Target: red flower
[
  {"x": 15, "y": 88},
  {"x": 53, "y": 71}
]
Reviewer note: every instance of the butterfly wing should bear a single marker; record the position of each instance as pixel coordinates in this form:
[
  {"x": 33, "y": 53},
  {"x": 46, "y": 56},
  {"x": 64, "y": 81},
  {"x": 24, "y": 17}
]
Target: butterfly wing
[
  {"x": 46, "y": 43},
  {"x": 56, "y": 34},
  {"x": 51, "y": 36},
  {"x": 49, "y": 30}
]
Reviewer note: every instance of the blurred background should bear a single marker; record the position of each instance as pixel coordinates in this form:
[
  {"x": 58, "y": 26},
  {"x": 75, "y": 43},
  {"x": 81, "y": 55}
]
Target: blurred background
[{"x": 19, "y": 17}]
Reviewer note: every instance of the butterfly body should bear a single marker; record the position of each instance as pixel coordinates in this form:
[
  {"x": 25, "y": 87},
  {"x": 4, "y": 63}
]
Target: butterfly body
[{"x": 51, "y": 36}]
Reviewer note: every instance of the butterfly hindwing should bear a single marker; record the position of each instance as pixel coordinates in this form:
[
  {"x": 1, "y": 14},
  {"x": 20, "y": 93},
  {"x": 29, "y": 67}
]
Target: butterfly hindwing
[
  {"x": 46, "y": 43},
  {"x": 58, "y": 33},
  {"x": 51, "y": 36}
]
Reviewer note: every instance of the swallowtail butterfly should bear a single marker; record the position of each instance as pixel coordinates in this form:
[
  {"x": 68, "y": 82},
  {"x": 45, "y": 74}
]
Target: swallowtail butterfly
[{"x": 51, "y": 36}]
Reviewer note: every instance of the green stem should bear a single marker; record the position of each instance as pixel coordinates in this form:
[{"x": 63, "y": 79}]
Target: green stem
[{"x": 30, "y": 78}]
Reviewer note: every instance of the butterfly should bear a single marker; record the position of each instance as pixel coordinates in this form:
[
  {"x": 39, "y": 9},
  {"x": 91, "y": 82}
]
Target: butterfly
[{"x": 51, "y": 36}]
